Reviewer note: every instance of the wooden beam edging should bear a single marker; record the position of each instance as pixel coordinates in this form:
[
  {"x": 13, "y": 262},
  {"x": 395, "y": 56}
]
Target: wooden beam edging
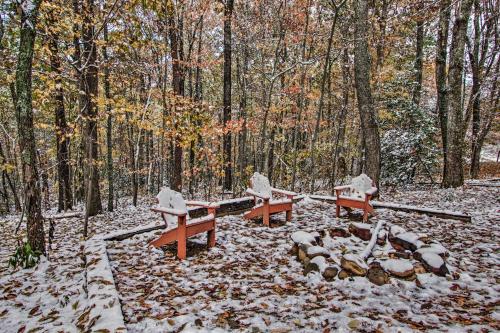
[
  {"x": 444, "y": 214},
  {"x": 227, "y": 207},
  {"x": 104, "y": 306}
]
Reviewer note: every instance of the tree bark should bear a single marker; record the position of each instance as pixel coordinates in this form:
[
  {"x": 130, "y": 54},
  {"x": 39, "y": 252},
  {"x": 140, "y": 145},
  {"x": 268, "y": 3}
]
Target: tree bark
[
  {"x": 441, "y": 76},
  {"x": 175, "y": 33},
  {"x": 367, "y": 113},
  {"x": 109, "y": 121},
  {"x": 228, "y": 178},
  {"x": 326, "y": 72},
  {"x": 65, "y": 197},
  {"x": 90, "y": 111},
  {"x": 454, "y": 176},
  {"x": 24, "y": 118},
  {"x": 418, "y": 66}
]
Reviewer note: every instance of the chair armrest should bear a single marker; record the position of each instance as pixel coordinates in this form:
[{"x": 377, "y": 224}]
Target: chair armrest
[
  {"x": 343, "y": 187},
  {"x": 257, "y": 194},
  {"x": 284, "y": 192},
  {"x": 371, "y": 191},
  {"x": 204, "y": 204},
  {"x": 170, "y": 211}
]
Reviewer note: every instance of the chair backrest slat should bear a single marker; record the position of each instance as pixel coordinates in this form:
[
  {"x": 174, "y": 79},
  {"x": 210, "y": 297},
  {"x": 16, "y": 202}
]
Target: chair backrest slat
[
  {"x": 260, "y": 184},
  {"x": 360, "y": 185},
  {"x": 168, "y": 198}
]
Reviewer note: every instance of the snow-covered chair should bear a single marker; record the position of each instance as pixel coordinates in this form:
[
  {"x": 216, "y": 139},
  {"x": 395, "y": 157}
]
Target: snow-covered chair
[
  {"x": 265, "y": 204},
  {"x": 173, "y": 209},
  {"x": 356, "y": 195}
]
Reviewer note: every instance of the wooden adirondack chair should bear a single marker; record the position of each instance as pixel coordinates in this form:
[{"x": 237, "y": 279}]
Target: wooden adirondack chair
[
  {"x": 265, "y": 206},
  {"x": 173, "y": 209},
  {"x": 356, "y": 195}
]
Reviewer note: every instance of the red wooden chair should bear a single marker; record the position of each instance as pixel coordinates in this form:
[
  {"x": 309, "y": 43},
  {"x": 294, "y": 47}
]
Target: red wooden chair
[
  {"x": 173, "y": 209},
  {"x": 266, "y": 206},
  {"x": 356, "y": 195}
]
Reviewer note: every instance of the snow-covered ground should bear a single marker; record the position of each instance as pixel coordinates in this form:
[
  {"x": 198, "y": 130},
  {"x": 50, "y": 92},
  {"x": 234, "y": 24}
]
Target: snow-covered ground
[
  {"x": 489, "y": 153},
  {"x": 251, "y": 282}
]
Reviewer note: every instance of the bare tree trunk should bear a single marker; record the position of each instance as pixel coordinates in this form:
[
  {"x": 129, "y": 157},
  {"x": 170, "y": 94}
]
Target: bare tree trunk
[
  {"x": 368, "y": 115},
  {"x": 300, "y": 100},
  {"x": 90, "y": 112},
  {"x": 24, "y": 118},
  {"x": 454, "y": 176},
  {"x": 5, "y": 175},
  {"x": 109, "y": 121},
  {"x": 482, "y": 60},
  {"x": 418, "y": 66},
  {"x": 338, "y": 158},
  {"x": 228, "y": 178},
  {"x": 326, "y": 72},
  {"x": 441, "y": 76},
  {"x": 175, "y": 32},
  {"x": 65, "y": 199}
]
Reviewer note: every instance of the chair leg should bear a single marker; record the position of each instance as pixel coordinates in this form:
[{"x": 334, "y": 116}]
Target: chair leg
[
  {"x": 211, "y": 238},
  {"x": 365, "y": 215},
  {"x": 181, "y": 238},
  {"x": 288, "y": 215},
  {"x": 265, "y": 214},
  {"x": 338, "y": 210}
]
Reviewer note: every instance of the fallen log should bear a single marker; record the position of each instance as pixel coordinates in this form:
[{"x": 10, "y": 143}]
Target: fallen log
[
  {"x": 444, "y": 214},
  {"x": 226, "y": 207},
  {"x": 63, "y": 216},
  {"x": 124, "y": 234}
]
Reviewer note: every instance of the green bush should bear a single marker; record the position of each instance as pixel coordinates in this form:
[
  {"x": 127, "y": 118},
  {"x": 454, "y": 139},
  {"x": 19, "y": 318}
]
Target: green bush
[{"x": 25, "y": 257}]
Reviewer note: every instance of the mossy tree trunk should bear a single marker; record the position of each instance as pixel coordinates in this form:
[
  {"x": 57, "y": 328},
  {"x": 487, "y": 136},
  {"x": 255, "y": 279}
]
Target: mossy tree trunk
[{"x": 24, "y": 118}]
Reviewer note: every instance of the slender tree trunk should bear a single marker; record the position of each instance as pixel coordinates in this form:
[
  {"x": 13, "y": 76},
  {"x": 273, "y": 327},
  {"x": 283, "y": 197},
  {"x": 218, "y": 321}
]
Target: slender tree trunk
[
  {"x": 367, "y": 113},
  {"x": 109, "y": 121},
  {"x": 90, "y": 111},
  {"x": 175, "y": 32},
  {"x": 65, "y": 199},
  {"x": 300, "y": 99},
  {"x": 13, "y": 189},
  {"x": 338, "y": 158},
  {"x": 79, "y": 173},
  {"x": 454, "y": 176},
  {"x": 418, "y": 66},
  {"x": 228, "y": 178},
  {"x": 326, "y": 73},
  {"x": 242, "y": 137},
  {"x": 24, "y": 118},
  {"x": 441, "y": 75}
]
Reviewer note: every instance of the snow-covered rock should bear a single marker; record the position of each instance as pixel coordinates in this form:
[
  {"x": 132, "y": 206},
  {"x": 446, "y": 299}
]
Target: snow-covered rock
[
  {"x": 399, "y": 268},
  {"x": 339, "y": 232},
  {"x": 405, "y": 241},
  {"x": 354, "y": 264},
  {"x": 432, "y": 262},
  {"x": 315, "y": 251},
  {"x": 361, "y": 230},
  {"x": 302, "y": 237},
  {"x": 377, "y": 275}
]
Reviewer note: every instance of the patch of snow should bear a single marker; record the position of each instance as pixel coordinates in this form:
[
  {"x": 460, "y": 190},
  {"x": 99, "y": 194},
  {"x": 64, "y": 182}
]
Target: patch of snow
[
  {"x": 302, "y": 237},
  {"x": 432, "y": 259},
  {"x": 321, "y": 262},
  {"x": 316, "y": 250},
  {"x": 361, "y": 184},
  {"x": 169, "y": 198},
  {"x": 105, "y": 304},
  {"x": 396, "y": 265},
  {"x": 260, "y": 184}
]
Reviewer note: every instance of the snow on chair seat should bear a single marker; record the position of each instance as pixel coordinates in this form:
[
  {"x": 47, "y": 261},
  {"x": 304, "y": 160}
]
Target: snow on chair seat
[
  {"x": 173, "y": 209},
  {"x": 262, "y": 192},
  {"x": 356, "y": 195}
]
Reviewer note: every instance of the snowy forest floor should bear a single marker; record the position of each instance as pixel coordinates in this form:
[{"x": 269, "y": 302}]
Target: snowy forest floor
[{"x": 251, "y": 282}]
